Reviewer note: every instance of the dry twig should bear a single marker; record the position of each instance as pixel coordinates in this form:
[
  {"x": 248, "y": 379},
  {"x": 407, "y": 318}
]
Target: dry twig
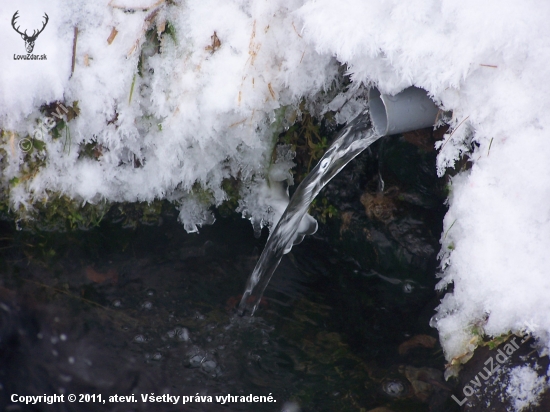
[
  {"x": 74, "y": 49},
  {"x": 112, "y": 36}
]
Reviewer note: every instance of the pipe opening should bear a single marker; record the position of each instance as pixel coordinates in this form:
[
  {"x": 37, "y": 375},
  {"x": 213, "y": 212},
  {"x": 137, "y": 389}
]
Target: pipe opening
[
  {"x": 412, "y": 109},
  {"x": 378, "y": 112}
]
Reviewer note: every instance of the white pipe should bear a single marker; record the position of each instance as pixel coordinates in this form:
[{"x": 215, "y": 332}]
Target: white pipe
[{"x": 409, "y": 110}]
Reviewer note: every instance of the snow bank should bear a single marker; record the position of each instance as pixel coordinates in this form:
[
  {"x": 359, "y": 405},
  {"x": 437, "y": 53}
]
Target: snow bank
[{"x": 206, "y": 106}]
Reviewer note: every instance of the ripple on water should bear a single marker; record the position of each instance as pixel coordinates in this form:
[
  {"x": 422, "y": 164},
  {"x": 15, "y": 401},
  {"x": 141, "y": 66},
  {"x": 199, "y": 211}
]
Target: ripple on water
[
  {"x": 394, "y": 388},
  {"x": 179, "y": 332},
  {"x": 196, "y": 360},
  {"x": 209, "y": 366},
  {"x": 408, "y": 287}
]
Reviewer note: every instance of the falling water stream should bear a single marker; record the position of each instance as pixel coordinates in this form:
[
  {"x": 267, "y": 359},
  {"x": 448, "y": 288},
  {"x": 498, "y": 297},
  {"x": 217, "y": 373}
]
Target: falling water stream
[{"x": 352, "y": 140}]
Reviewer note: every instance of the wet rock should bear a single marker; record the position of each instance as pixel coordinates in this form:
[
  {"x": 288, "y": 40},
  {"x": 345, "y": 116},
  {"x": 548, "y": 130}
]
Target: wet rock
[
  {"x": 381, "y": 205},
  {"x": 425, "y": 381},
  {"x": 424, "y": 341},
  {"x": 489, "y": 382}
]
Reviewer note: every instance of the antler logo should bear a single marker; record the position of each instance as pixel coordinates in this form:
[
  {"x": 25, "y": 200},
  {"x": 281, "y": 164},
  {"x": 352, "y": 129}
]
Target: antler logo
[{"x": 29, "y": 40}]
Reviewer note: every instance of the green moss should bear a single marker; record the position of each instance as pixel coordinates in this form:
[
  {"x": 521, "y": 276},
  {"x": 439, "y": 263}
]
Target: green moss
[
  {"x": 308, "y": 138},
  {"x": 231, "y": 187},
  {"x": 62, "y": 213},
  {"x": 139, "y": 213},
  {"x": 322, "y": 210},
  {"x": 497, "y": 341},
  {"x": 202, "y": 194}
]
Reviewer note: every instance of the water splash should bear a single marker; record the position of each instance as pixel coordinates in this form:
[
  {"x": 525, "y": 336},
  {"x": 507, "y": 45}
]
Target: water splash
[{"x": 352, "y": 140}]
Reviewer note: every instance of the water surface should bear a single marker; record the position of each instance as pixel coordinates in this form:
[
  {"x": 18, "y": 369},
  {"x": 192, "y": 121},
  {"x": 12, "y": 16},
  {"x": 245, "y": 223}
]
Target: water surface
[{"x": 129, "y": 311}]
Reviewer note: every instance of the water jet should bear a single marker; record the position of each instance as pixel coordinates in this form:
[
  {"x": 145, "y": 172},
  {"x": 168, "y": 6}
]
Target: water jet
[{"x": 408, "y": 110}]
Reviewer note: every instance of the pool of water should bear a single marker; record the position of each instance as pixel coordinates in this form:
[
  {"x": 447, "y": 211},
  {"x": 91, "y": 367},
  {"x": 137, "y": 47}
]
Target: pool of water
[{"x": 151, "y": 310}]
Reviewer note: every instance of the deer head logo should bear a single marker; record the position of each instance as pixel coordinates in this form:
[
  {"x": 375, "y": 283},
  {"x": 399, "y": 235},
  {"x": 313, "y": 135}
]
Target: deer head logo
[{"x": 29, "y": 40}]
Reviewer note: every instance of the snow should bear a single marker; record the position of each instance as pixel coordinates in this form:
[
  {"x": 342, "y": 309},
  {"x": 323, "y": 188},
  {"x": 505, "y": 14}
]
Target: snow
[
  {"x": 524, "y": 387},
  {"x": 199, "y": 113},
  {"x": 202, "y": 112}
]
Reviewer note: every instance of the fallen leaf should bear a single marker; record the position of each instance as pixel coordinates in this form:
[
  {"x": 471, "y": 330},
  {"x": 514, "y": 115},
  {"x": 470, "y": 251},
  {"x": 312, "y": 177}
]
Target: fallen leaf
[
  {"x": 424, "y": 341},
  {"x": 216, "y": 43},
  {"x": 98, "y": 277}
]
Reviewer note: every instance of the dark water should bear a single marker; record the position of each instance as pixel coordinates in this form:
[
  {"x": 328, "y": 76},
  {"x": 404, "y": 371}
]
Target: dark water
[{"x": 152, "y": 310}]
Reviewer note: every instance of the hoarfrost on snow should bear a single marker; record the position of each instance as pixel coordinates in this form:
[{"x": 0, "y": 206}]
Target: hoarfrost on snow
[
  {"x": 187, "y": 94},
  {"x": 175, "y": 97}
]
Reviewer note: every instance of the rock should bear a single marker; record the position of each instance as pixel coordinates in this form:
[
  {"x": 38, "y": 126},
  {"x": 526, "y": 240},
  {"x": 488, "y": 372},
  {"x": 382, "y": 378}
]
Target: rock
[
  {"x": 424, "y": 341},
  {"x": 484, "y": 382}
]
